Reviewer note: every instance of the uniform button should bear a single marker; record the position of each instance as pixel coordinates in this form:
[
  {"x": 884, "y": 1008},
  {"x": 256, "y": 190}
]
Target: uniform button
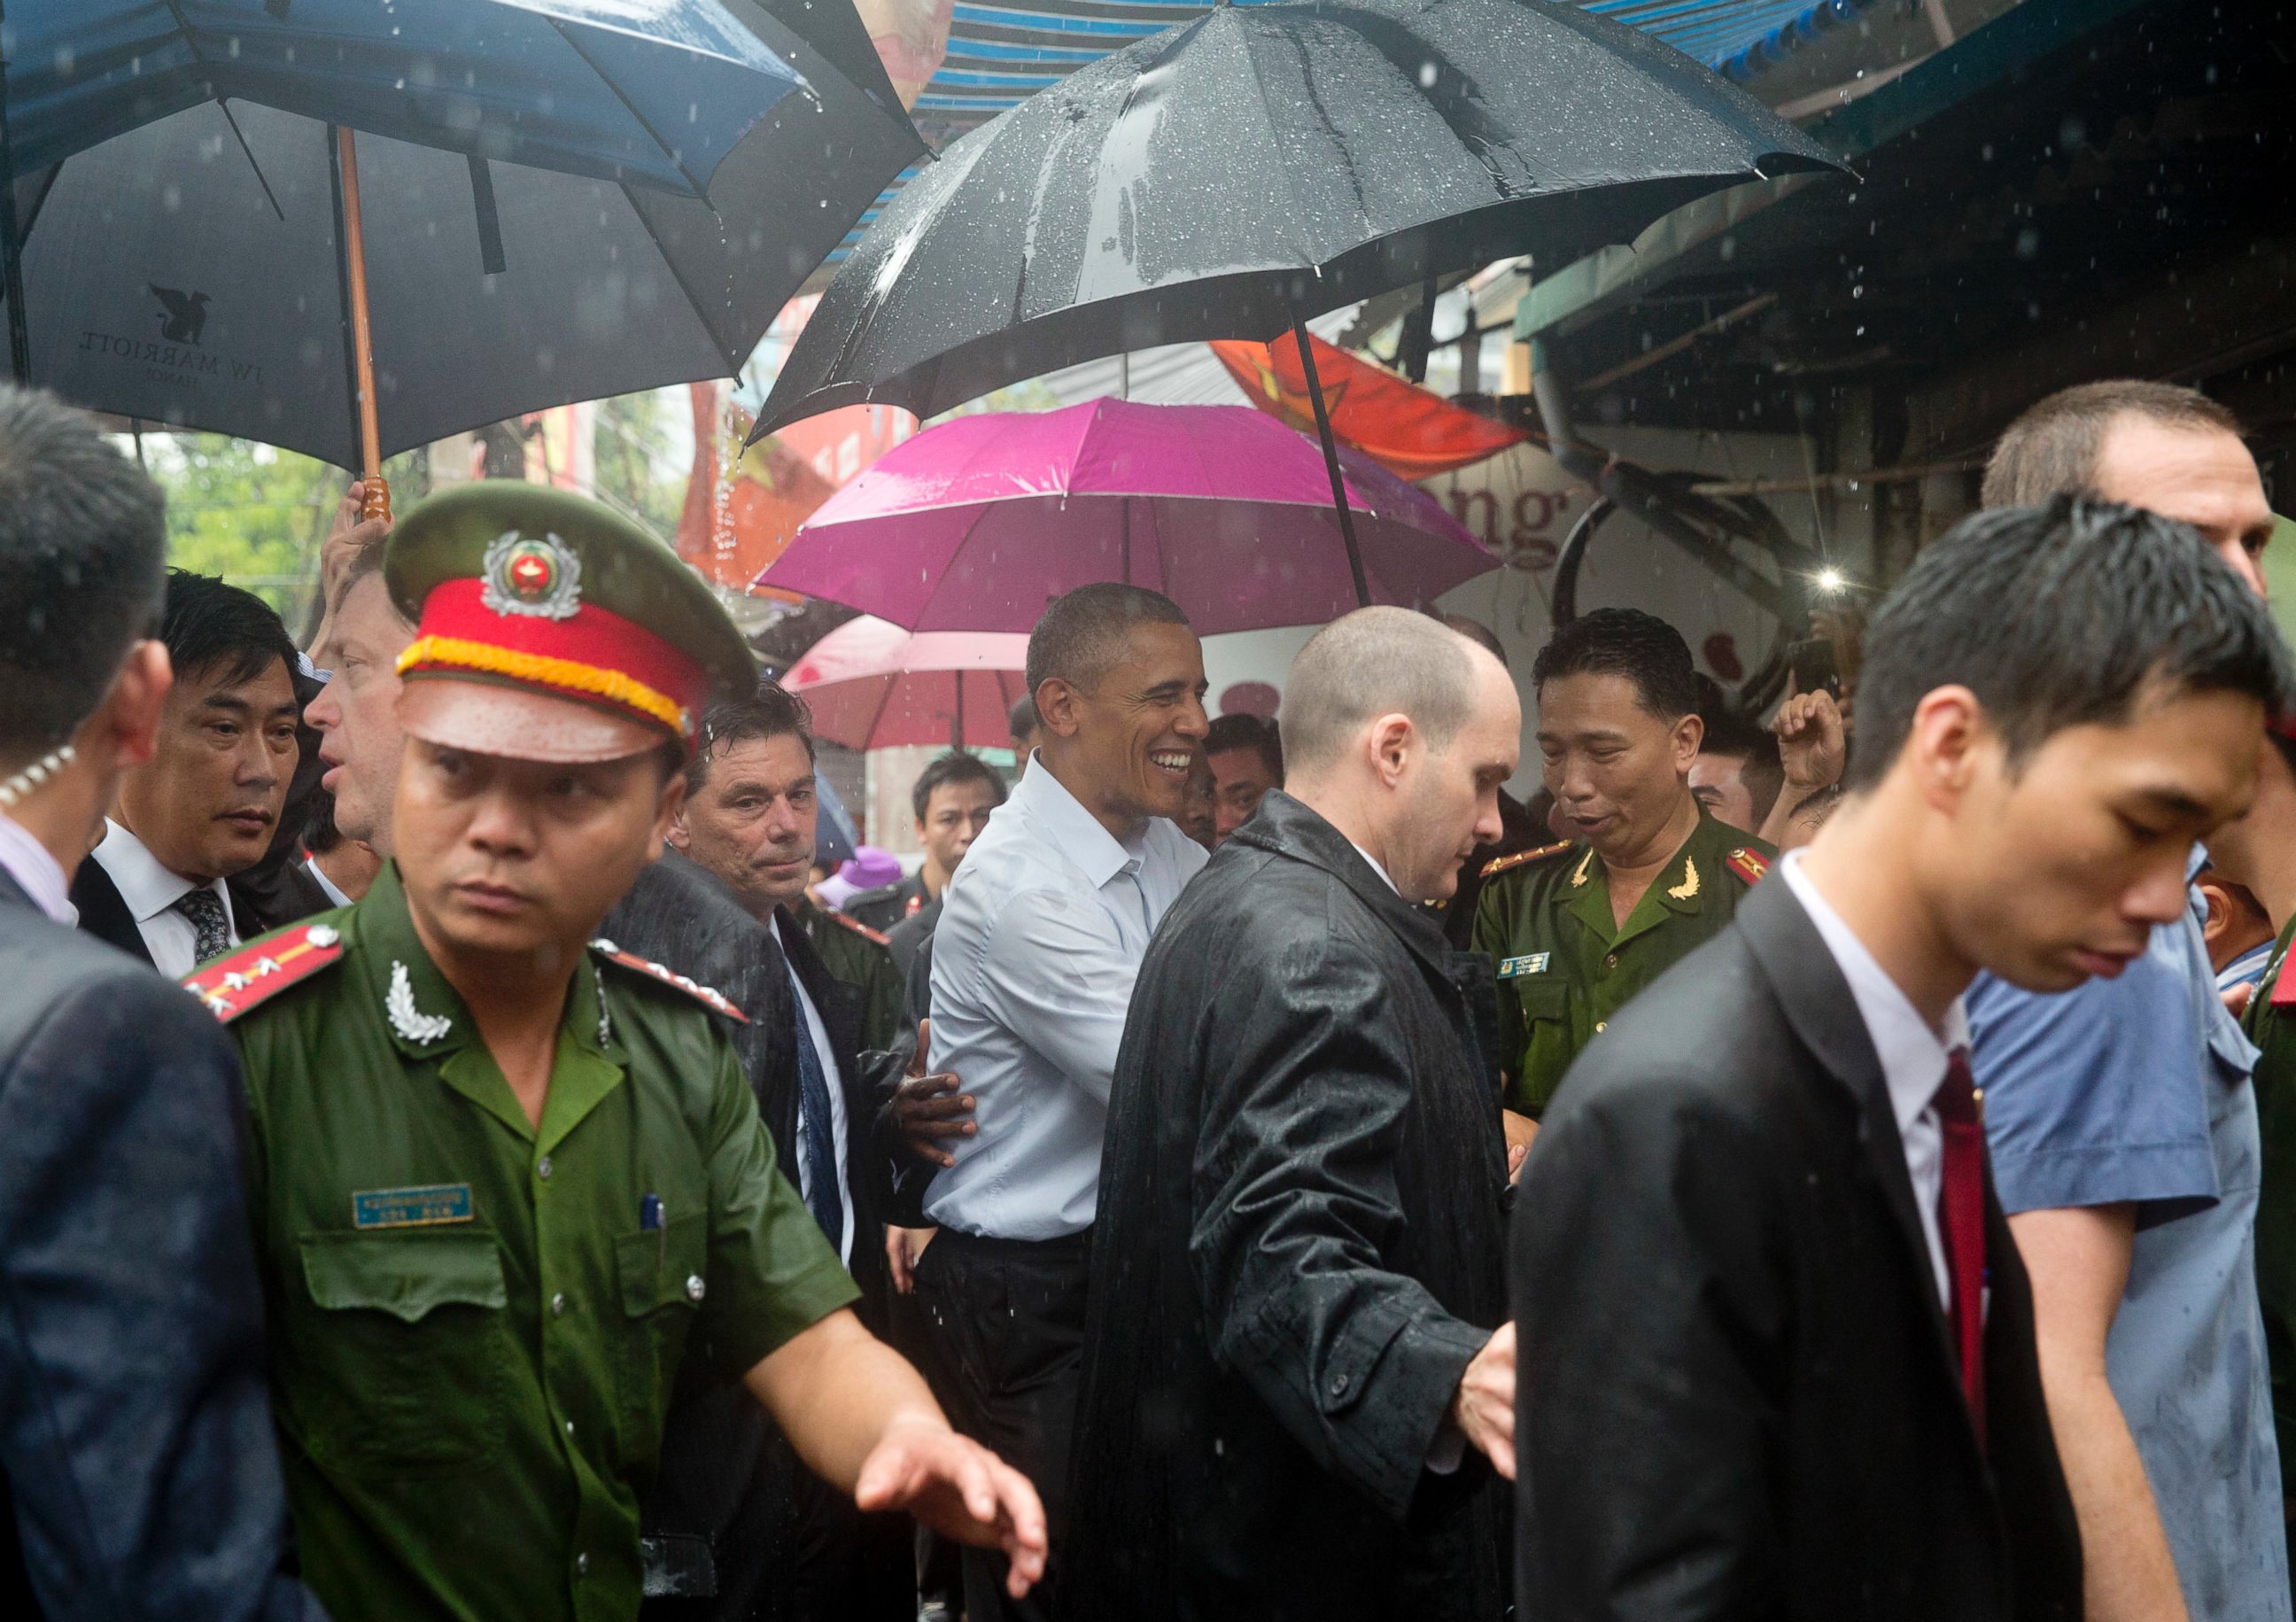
[
  {"x": 1601, "y": 1026},
  {"x": 541, "y": 1168},
  {"x": 1339, "y": 1385},
  {"x": 581, "y": 1565},
  {"x": 1611, "y": 962},
  {"x": 695, "y": 1287},
  {"x": 558, "y": 1306}
]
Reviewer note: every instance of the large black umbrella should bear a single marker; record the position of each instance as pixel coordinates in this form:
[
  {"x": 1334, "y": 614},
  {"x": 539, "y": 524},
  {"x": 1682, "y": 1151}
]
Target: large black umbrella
[
  {"x": 203, "y": 269},
  {"x": 1232, "y": 176}
]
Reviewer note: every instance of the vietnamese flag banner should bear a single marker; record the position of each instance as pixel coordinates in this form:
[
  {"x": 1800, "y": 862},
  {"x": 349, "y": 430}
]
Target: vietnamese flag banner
[{"x": 1407, "y": 430}]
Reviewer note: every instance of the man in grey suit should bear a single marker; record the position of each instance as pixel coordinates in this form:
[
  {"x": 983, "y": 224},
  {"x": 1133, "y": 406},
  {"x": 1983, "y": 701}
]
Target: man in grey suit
[{"x": 138, "y": 1476}]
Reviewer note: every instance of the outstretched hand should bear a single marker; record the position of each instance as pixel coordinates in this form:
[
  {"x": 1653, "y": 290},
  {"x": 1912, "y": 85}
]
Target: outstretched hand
[
  {"x": 929, "y": 1109},
  {"x": 960, "y": 1489},
  {"x": 1483, "y": 1407}
]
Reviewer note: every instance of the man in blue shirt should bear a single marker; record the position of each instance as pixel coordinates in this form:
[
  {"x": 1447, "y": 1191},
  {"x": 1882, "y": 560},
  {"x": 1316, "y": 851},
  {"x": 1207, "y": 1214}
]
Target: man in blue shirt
[{"x": 2124, "y": 1138}]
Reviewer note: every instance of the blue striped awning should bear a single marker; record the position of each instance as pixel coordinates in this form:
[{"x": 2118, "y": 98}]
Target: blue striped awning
[{"x": 1001, "y": 52}]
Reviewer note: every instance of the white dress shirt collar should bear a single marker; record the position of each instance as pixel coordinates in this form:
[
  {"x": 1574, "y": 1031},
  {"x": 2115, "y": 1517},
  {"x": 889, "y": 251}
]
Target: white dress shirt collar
[
  {"x": 1081, "y": 836},
  {"x": 146, "y": 887},
  {"x": 1914, "y": 1057},
  {"x": 150, "y": 892},
  {"x": 35, "y": 870}
]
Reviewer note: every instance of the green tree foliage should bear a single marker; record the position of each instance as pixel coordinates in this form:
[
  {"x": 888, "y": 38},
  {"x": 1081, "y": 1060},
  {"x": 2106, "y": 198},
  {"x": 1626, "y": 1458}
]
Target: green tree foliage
[
  {"x": 633, "y": 472},
  {"x": 256, "y": 515}
]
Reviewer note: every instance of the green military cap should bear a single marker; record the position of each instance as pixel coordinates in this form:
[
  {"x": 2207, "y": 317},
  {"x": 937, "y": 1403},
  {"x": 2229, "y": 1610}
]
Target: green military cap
[{"x": 550, "y": 627}]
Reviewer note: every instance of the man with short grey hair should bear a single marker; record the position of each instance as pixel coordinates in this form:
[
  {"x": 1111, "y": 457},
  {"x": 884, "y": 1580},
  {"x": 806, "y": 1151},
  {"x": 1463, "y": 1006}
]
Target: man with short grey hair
[
  {"x": 1298, "y": 1389},
  {"x": 1042, "y": 932}
]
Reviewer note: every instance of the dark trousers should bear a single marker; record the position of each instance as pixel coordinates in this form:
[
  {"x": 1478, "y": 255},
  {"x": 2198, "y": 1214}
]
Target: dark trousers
[{"x": 1005, "y": 1322}]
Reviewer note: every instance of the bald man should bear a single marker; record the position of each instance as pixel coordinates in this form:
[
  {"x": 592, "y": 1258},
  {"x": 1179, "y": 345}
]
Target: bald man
[{"x": 1297, "y": 1387}]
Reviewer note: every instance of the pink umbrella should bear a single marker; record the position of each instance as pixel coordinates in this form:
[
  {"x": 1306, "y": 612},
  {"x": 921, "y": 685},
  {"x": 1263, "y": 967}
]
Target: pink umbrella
[
  {"x": 976, "y": 524},
  {"x": 872, "y": 685}
]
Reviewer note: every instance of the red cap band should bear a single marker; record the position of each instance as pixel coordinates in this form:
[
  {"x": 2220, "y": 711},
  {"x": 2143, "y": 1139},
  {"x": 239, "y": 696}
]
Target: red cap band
[{"x": 592, "y": 655}]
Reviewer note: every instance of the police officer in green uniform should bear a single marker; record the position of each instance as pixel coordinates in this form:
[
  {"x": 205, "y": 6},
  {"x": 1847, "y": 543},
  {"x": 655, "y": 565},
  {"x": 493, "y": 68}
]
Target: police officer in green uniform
[
  {"x": 508, "y": 1183},
  {"x": 1576, "y": 928}
]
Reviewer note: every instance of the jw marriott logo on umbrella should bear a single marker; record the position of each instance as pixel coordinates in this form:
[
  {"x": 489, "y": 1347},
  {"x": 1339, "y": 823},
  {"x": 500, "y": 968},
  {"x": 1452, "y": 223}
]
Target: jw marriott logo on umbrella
[{"x": 183, "y": 316}]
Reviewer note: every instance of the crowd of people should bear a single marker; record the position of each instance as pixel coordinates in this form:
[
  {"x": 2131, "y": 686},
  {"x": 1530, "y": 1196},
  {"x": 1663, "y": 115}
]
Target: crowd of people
[{"x": 1830, "y": 1164}]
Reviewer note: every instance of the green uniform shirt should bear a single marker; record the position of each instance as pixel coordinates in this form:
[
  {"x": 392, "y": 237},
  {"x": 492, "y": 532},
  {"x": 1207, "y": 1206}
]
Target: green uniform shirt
[
  {"x": 475, "y": 1325},
  {"x": 2273, "y": 1030},
  {"x": 859, "y": 956},
  {"x": 1565, "y": 969}
]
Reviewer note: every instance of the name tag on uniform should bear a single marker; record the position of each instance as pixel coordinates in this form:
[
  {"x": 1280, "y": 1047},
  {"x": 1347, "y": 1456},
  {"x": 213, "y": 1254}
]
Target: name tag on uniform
[
  {"x": 1515, "y": 968},
  {"x": 411, "y": 1208}
]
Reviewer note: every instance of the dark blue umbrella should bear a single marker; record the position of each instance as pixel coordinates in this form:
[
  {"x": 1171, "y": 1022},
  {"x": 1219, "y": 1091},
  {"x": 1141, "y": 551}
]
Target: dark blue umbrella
[
  {"x": 657, "y": 92},
  {"x": 562, "y": 199}
]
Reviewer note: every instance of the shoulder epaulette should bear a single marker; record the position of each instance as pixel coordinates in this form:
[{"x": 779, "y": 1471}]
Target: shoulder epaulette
[
  {"x": 707, "y": 997},
  {"x": 1499, "y": 865},
  {"x": 876, "y": 937},
  {"x": 2283, "y": 984},
  {"x": 1747, "y": 863},
  {"x": 259, "y": 971}
]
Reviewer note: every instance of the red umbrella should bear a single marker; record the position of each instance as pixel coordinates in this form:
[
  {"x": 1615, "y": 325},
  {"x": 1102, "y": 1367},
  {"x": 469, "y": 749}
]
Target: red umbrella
[{"x": 871, "y": 684}]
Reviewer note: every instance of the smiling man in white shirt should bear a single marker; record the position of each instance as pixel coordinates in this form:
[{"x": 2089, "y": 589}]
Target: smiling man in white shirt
[{"x": 1041, "y": 936}]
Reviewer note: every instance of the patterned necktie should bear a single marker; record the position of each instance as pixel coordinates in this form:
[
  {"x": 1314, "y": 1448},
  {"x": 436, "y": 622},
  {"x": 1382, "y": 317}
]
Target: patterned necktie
[
  {"x": 204, "y": 908},
  {"x": 815, "y": 1124},
  {"x": 1962, "y": 1206}
]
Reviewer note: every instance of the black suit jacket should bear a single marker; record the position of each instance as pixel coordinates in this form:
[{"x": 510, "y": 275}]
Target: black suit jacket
[
  {"x": 1298, "y": 1248},
  {"x": 290, "y": 895},
  {"x": 726, "y": 1478},
  {"x": 140, "y": 1475},
  {"x": 1736, "y": 1398}
]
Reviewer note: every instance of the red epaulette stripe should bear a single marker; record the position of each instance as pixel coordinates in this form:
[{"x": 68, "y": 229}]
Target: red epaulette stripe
[
  {"x": 874, "y": 936},
  {"x": 2283, "y": 985},
  {"x": 1751, "y": 866},
  {"x": 707, "y": 997},
  {"x": 254, "y": 974}
]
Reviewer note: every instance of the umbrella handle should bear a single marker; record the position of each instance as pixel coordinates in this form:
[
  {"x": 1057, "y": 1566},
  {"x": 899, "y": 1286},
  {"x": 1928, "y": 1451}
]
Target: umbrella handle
[
  {"x": 1331, "y": 462},
  {"x": 377, "y": 502}
]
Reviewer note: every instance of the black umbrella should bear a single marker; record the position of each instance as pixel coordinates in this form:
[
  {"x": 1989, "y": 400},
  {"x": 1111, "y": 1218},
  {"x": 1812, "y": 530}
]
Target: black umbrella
[
  {"x": 1231, "y": 177},
  {"x": 205, "y": 269}
]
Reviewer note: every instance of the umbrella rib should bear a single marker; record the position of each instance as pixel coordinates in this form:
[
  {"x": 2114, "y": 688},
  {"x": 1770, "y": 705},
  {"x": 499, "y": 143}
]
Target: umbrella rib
[
  {"x": 607, "y": 79},
  {"x": 677, "y": 275},
  {"x": 223, "y": 104}
]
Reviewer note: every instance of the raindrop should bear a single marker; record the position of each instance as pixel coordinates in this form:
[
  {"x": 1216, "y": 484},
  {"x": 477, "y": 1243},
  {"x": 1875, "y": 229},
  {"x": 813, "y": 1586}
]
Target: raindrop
[
  {"x": 2029, "y": 242},
  {"x": 1427, "y": 76}
]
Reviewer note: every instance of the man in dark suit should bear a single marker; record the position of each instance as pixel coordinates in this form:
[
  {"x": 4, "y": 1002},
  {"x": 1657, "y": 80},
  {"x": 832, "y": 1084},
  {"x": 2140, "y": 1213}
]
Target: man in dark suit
[
  {"x": 1777, "y": 1352},
  {"x": 206, "y": 808},
  {"x": 138, "y": 1475},
  {"x": 1297, "y": 1385},
  {"x": 786, "y": 1544}
]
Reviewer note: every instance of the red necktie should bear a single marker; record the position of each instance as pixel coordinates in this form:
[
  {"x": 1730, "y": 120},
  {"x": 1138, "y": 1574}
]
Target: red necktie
[{"x": 1961, "y": 1210}]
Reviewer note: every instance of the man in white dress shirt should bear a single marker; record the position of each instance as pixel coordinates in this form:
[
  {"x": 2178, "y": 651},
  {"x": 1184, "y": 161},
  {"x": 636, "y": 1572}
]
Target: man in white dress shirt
[
  {"x": 1042, "y": 932},
  {"x": 1776, "y": 1345},
  {"x": 205, "y": 805}
]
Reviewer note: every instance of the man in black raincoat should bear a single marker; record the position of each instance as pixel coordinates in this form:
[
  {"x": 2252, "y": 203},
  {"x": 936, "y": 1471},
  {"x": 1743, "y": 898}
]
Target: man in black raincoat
[{"x": 1294, "y": 1394}]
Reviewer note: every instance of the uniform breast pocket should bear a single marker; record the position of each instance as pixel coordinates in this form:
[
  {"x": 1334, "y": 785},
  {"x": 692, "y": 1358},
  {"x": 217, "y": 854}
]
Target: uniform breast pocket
[
  {"x": 405, "y": 1370},
  {"x": 1543, "y": 1006},
  {"x": 661, "y": 1274}
]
